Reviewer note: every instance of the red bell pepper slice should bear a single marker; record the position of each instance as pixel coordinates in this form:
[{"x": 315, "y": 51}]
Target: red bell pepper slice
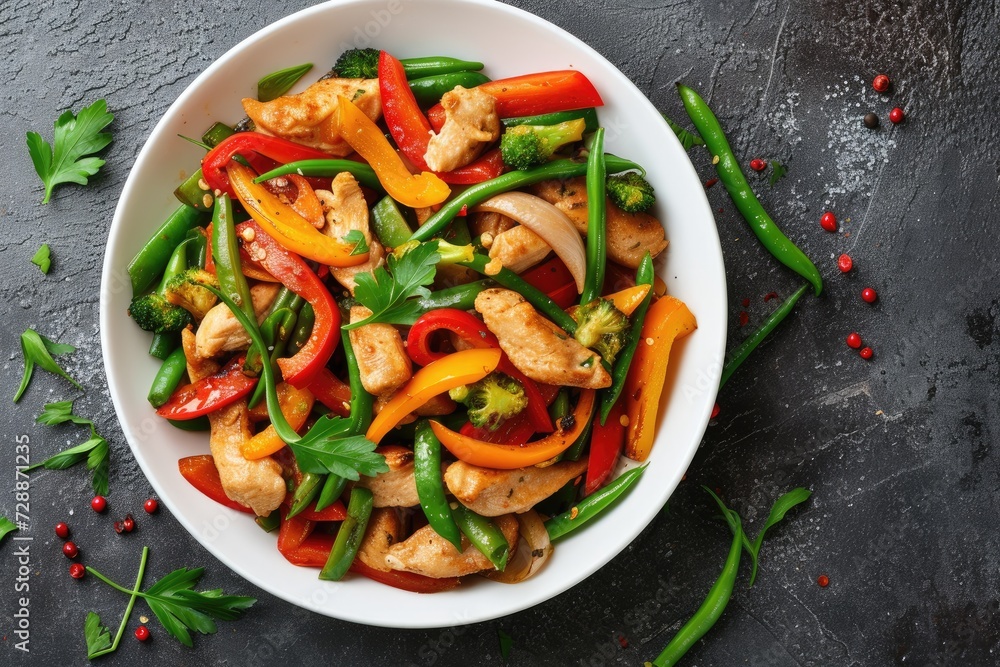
[
  {"x": 333, "y": 512},
  {"x": 407, "y": 581},
  {"x": 295, "y": 274},
  {"x": 475, "y": 333},
  {"x": 606, "y": 444},
  {"x": 411, "y": 131},
  {"x": 293, "y": 532},
  {"x": 553, "y": 278},
  {"x": 534, "y": 94},
  {"x": 514, "y": 431},
  {"x": 201, "y": 473},
  {"x": 252, "y": 145},
  {"x": 209, "y": 394},
  {"x": 313, "y": 552},
  {"x": 332, "y": 392}
]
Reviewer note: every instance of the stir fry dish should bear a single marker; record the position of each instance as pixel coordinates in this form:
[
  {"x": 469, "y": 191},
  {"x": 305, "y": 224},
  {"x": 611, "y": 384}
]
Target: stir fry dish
[{"x": 415, "y": 310}]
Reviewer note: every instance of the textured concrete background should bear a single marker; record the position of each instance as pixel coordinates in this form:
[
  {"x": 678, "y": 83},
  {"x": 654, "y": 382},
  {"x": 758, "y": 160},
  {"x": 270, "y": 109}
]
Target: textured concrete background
[{"x": 899, "y": 451}]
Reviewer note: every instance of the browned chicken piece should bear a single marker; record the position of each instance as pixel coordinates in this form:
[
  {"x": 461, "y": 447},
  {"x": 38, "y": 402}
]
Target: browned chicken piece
[
  {"x": 519, "y": 248},
  {"x": 382, "y": 360},
  {"x": 258, "y": 484},
  {"x": 398, "y": 487},
  {"x": 536, "y": 346},
  {"x": 346, "y": 210},
  {"x": 423, "y": 214},
  {"x": 310, "y": 117},
  {"x": 629, "y": 235},
  {"x": 494, "y": 492},
  {"x": 489, "y": 222},
  {"x": 197, "y": 367},
  {"x": 427, "y": 553},
  {"x": 384, "y": 529},
  {"x": 220, "y": 331},
  {"x": 471, "y": 122},
  {"x": 436, "y": 406}
]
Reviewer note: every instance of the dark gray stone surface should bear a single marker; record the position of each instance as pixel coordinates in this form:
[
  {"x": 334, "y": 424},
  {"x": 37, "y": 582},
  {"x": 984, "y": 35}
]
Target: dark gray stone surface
[{"x": 899, "y": 451}]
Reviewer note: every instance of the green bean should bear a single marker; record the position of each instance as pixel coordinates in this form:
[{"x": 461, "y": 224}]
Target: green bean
[
  {"x": 191, "y": 192},
  {"x": 484, "y": 535},
  {"x": 592, "y": 505},
  {"x": 432, "y": 65},
  {"x": 149, "y": 263},
  {"x": 715, "y": 602},
  {"x": 303, "y": 329},
  {"x": 283, "y": 331},
  {"x": 593, "y": 280},
  {"x": 306, "y": 491},
  {"x": 462, "y": 297},
  {"x": 429, "y": 89},
  {"x": 588, "y": 115},
  {"x": 196, "y": 424},
  {"x": 556, "y": 169},
  {"x": 507, "y": 278},
  {"x": 269, "y": 332},
  {"x": 389, "y": 224},
  {"x": 333, "y": 488},
  {"x": 326, "y": 168},
  {"x": 352, "y": 531},
  {"x": 164, "y": 343},
  {"x": 430, "y": 485},
  {"x": 731, "y": 175},
  {"x": 197, "y": 247},
  {"x": 740, "y": 354},
  {"x": 167, "y": 378},
  {"x": 269, "y": 523},
  {"x": 216, "y": 134},
  {"x": 226, "y": 255},
  {"x": 283, "y": 299},
  {"x": 644, "y": 276}
]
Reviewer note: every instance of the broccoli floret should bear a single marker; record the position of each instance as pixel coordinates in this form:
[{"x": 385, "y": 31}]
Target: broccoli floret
[
  {"x": 357, "y": 64},
  {"x": 187, "y": 291},
  {"x": 491, "y": 400},
  {"x": 601, "y": 327},
  {"x": 630, "y": 192},
  {"x": 524, "y": 146},
  {"x": 154, "y": 313}
]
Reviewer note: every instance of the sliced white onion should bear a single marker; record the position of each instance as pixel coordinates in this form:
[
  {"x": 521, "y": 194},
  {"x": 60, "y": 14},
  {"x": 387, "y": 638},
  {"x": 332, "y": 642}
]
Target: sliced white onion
[
  {"x": 533, "y": 550},
  {"x": 549, "y": 223}
]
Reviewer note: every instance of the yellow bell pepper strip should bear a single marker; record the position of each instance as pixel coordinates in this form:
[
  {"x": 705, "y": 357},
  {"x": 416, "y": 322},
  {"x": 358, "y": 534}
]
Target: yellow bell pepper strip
[
  {"x": 628, "y": 299},
  {"x": 508, "y": 457},
  {"x": 437, "y": 377},
  {"x": 296, "y": 404},
  {"x": 287, "y": 227},
  {"x": 666, "y": 320},
  {"x": 367, "y": 139}
]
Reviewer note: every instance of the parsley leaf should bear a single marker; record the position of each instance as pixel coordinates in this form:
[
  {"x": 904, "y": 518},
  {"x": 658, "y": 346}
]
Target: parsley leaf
[
  {"x": 356, "y": 237},
  {"x": 506, "y": 643},
  {"x": 43, "y": 258},
  {"x": 74, "y": 137},
  {"x": 327, "y": 449},
  {"x": 6, "y": 527},
  {"x": 97, "y": 635},
  {"x": 778, "y": 172},
  {"x": 278, "y": 83},
  {"x": 95, "y": 451},
  {"x": 387, "y": 293},
  {"x": 687, "y": 139},
  {"x": 60, "y": 412},
  {"x": 38, "y": 350}
]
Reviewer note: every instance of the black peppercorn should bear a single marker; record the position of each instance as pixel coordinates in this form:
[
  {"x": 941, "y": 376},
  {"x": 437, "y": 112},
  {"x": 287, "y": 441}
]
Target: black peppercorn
[{"x": 871, "y": 121}]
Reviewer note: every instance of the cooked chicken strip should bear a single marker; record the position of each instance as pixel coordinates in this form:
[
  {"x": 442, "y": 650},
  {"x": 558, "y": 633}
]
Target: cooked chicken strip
[
  {"x": 494, "y": 492},
  {"x": 310, "y": 117},
  {"x": 427, "y": 553},
  {"x": 398, "y": 487},
  {"x": 519, "y": 248},
  {"x": 382, "y": 360},
  {"x": 384, "y": 529},
  {"x": 536, "y": 346},
  {"x": 471, "y": 122},
  {"x": 197, "y": 367},
  {"x": 220, "y": 331},
  {"x": 629, "y": 235},
  {"x": 346, "y": 210},
  {"x": 257, "y": 484}
]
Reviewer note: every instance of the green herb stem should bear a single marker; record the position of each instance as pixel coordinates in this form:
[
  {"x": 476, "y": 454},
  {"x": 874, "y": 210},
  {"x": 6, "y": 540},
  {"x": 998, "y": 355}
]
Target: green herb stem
[{"x": 133, "y": 595}]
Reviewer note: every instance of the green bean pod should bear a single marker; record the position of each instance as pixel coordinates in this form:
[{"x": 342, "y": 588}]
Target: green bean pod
[
  {"x": 352, "y": 531},
  {"x": 589, "y": 117},
  {"x": 333, "y": 488},
  {"x": 269, "y": 523},
  {"x": 416, "y": 68},
  {"x": 164, "y": 343},
  {"x": 480, "y": 192},
  {"x": 226, "y": 255},
  {"x": 462, "y": 297},
  {"x": 740, "y": 354},
  {"x": 430, "y": 485},
  {"x": 484, "y": 535},
  {"x": 303, "y": 329},
  {"x": 306, "y": 491},
  {"x": 196, "y": 425},
  {"x": 731, "y": 175},
  {"x": 597, "y": 195},
  {"x": 429, "y": 89},
  {"x": 389, "y": 224},
  {"x": 592, "y": 505},
  {"x": 150, "y": 262},
  {"x": 326, "y": 168},
  {"x": 167, "y": 378},
  {"x": 282, "y": 333},
  {"x": 197, "y": 247}
]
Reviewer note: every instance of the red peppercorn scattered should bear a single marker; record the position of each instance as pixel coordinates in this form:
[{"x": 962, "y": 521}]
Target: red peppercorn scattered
[
  {"x": 869, "y": 295},
  {"x": 769, "y": 296},
  {"x": 853, "y": 340},
  {"x": 119, "y": 527},
  {"x": 880, "y": 83},
  {"x": 151, "y": 505},
  {"x": 99, "y": 504},
  {"x": 142, "y": 633},
  {"x": 623, "y": 641},
  {"x": 77, "y": 571},
  {"x": 828, "y": 221},
  {"x": 744, "y": 318},
  {"x": 710, "y": 182},
  {"x": 757, "y": 164},
  {"x": 897, "y": 116},
  {"x": 716, "y": 410},
  {"x": 823, "y": 581},
  {"x": 70, "y": 550},
  {"x": 866, "y": 353},
  {"x": 128, "y": 523},
  {"x": 746, "y": 303},
  {"x": 845, "y": 263},
  {"x": 62, "y": 530}
]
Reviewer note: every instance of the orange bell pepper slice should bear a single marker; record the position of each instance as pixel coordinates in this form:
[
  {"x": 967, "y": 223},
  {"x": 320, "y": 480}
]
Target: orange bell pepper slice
[
  {"x": 628, "y": 299},
  {"x": 508, "y": 457},
  {"x": 436, "y": 377},
  {"x": 287, "y": 227},
  {"x": 666, "y": 320},
  {"x": 366, "y": 138},
  {"x": 296, "y": 404}
]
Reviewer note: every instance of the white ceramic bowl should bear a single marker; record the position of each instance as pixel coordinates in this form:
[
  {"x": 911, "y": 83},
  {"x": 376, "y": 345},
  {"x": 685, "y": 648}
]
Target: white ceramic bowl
[{"x": 692, "y": 268}]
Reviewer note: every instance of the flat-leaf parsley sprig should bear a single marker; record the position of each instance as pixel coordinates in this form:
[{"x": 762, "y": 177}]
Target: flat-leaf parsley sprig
[
  {"x": 37, "y": 351},
  {"x": 95, "y": 451}
]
